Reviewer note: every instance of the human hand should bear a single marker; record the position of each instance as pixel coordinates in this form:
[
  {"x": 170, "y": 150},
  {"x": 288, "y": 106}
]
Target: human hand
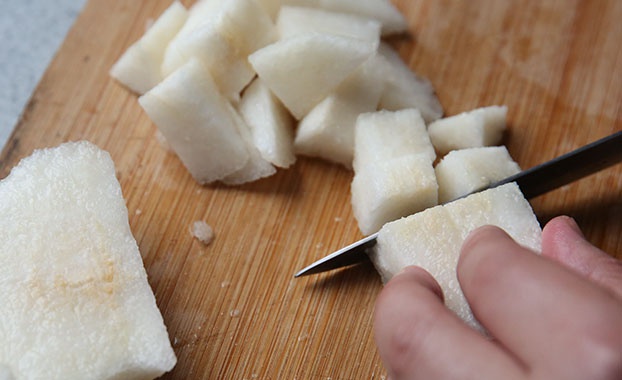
[{"x": 554, "y": 316}]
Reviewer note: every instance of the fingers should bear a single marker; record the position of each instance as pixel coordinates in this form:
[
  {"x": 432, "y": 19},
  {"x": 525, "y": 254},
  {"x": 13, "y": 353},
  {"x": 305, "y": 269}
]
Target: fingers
[
  {"x": 546, "y": 314},
  {"x": 563, "y": 242},
  {"x": 418, "y": 338}
]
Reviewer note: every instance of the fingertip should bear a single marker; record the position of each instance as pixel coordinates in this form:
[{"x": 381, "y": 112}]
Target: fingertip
[
  {"x": 478, "y": 244},
  {"x": 414, "y": 275},
  {"x": 405, "y": 307}
]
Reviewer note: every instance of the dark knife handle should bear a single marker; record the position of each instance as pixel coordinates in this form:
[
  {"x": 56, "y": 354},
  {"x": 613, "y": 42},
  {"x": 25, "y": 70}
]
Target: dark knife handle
[{"x": 568, "y": 167}]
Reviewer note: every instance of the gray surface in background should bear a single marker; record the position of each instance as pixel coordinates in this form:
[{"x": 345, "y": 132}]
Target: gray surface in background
[{"x": 31, "y": 31}]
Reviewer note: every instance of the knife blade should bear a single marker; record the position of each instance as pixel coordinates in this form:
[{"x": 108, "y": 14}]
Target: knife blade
[{"x": 535, "y": 181}]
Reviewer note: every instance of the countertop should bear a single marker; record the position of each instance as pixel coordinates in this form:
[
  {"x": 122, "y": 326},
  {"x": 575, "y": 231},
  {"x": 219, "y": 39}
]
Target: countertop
[{"x": 31, "y": 32}]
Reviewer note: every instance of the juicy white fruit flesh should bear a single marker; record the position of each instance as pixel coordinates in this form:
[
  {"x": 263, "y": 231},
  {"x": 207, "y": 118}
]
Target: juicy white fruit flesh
[
  {"x": 463, "y": 171},
  {"x": 405, "y": 89},
  {"x": 301, "y": 71},
  {"x": 271, "y": 125},
  {"x": 271, "y": 7},
  {"x": 384, "y": 135},
  {"x": 75, "y": 299},
  {"x": 293, "y": 21},
  {"x": 228, "y": 32},
  {"x": 328, "y": 129},
  {"x": 139, "y": 68},
  {"x": 256, "y": 167},
  {"x": 200, "y": 125},
  {"x": 477, "y": 128},
  {"x": 393, "y": 22},
  {"x": 388, "y": 190},
  {"x": 432, "y": 238},
  {"x": 393, "y": 172}
]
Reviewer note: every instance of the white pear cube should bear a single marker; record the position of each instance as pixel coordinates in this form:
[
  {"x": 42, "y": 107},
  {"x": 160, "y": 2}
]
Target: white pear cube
[
  {"x": 198, "y": 123},
  {"x": 432, "y": 239},
  {"x": 463, "y": 171},
  {"x": 405, "y": 89},
  {"x": 391, "y": 189},
  {"x": 477, "y": 128},
  {"x": 271, "y": 125},
  {"x": 139, "y": 68},
  {"x": 75, "y": 299},
  {"x": 393, "y": 172},
  {"x": 328, "y": 130},
  {"x": 293, "y": 21},
  {"x": 301, "y": 71},
  {"x": 383, "y": 135},
  {"x": 223, "y": 40}
]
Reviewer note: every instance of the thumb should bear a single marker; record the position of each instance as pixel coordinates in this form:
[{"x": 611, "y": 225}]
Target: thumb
[{"x": 563, "y": 241}]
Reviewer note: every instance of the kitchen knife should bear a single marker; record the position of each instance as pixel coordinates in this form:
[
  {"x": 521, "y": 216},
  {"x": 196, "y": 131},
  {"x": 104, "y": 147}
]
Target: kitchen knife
[{"x": 535, "y": 181}]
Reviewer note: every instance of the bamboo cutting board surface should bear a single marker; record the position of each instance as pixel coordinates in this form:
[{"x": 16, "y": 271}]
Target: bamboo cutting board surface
[{"x": 233, "y": 308}]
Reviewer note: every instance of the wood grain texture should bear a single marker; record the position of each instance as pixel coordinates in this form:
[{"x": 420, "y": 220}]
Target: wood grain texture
[{"x": 233, "y": 308}]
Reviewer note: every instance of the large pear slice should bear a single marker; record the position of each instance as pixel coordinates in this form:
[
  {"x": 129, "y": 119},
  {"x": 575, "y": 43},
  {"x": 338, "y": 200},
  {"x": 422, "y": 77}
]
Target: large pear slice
[
  {"x": 432, "y": 238},
  {"x": 301, "y": 71},
  {"x": 75, "y": 299},
  {"x": 139, "y": 68}
]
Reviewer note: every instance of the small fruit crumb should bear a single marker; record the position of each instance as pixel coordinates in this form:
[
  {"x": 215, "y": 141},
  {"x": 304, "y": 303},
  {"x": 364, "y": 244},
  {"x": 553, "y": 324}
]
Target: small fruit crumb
[
  {"x": 202, "y": 231},
  {"x": 234, "y": 313}
]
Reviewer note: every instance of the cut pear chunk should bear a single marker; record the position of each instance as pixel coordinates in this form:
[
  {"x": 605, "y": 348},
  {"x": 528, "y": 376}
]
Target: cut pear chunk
[
  {"x": 293, "y": 21},
  {"x": 256, "y": 167},
  {"x": 405, "y": 89},
  {"x": 432, "y": 239},
  {"x": 301, "y": 71},
  {"x": 223, "y": 40},
  {"x": 139, "y": 68},
  {"x": 391, "y": 189},
  {"x": 392, "y": 20},
  {"x": 328, "y": 130},
  {"x": 271, "y": 7},
  {"x": 505, "y": 207},
  {"x": 463, "y": 171},
  {"x": 477, "y": 128},
  {"x": 271, "y": 125},
  {"x": 75, "y": 299},
  {"x": 197, "y": 122},
  {"x": 393, "y": 172},
  {"x": 385, "y": 135}
]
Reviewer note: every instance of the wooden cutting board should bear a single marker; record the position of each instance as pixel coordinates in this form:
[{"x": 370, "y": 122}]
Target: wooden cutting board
[{"x": 233, "y": 308}]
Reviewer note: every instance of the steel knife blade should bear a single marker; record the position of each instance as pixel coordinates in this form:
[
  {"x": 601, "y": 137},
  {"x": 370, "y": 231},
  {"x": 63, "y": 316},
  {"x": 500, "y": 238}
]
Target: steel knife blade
[{"x": 535, "y": 181}]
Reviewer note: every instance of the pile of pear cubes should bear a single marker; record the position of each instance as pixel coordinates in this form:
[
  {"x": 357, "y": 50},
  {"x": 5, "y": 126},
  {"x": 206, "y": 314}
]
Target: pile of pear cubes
[{"x": 240, "y": 87}]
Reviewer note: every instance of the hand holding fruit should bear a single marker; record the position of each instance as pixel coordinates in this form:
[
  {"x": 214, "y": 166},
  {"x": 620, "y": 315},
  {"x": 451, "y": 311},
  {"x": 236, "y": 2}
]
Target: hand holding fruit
[{"x": 555, "y": 316}]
